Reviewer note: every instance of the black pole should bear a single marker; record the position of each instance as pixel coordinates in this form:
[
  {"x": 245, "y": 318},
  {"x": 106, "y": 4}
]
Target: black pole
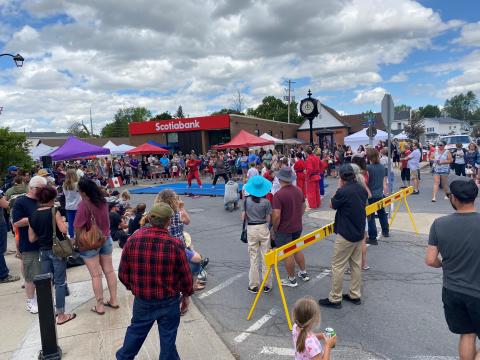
[
  {"x": 311, "y": 131},
  {"x": 46, "y": 317}
]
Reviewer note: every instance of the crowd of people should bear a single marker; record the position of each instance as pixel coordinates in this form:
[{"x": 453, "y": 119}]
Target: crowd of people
[{"x": 46, "y": 204}]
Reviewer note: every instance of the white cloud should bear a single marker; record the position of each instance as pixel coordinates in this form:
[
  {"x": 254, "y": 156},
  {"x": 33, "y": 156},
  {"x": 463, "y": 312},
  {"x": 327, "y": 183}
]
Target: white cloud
[
  {"x": 197, "y": 55},
  {"x": 369, "y": 96},
  {"x": 400, "y": 77},
  {"x": 470, "y": 35}
]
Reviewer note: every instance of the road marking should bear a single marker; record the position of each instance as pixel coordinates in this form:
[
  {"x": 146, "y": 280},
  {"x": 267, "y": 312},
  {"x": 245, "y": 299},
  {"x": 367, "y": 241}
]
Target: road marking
[
  {"x": 434, "y": 357},
  {"x": 257, "y": 325},
  {"x": 220, "y": 286},
  {"x": 323, "y": 274},
  {"x": 272, "y": 350}
]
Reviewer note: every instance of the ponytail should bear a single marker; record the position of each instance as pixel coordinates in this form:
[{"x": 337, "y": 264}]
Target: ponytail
[{"x": 302, "y": 336}]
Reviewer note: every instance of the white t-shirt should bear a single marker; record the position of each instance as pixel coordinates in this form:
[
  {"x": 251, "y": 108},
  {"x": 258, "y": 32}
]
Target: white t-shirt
[
  {"x": 252, "y": 172},
  {"x": 413, "y": 162}
]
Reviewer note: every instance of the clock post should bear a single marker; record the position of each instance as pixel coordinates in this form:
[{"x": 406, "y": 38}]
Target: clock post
[{"x": 310, "y": 109}]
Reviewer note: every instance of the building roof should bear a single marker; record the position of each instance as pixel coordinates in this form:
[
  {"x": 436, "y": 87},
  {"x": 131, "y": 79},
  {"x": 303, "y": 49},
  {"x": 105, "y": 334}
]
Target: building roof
[
  {"x": 248, "y": 117},
  {"x": 328, "y": 118},
  {"x": 46, "y": 134},
  {"x": 445, "y": 120},
  {"x": 357, "y": 121}
]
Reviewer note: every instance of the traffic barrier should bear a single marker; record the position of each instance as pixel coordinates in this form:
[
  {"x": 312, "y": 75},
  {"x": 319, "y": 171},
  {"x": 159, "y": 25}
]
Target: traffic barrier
[{"x": 274, "y": 256}]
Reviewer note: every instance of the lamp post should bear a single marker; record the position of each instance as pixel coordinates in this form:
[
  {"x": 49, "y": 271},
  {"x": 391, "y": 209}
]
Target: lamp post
[
  {"x": 18, "y": 59},
  {"x": 310, "y": 109}
]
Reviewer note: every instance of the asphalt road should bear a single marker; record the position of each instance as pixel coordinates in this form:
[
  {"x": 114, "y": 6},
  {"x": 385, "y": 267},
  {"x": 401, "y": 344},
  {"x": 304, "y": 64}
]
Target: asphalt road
[{"x": 401, "y": 316}]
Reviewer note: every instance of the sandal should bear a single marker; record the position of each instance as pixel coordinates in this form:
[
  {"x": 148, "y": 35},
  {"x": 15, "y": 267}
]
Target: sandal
[
  {"x": 70, "y": 317},
  {"x": 107, "y": 304},
  {"x": 198, "y": 287},
  {"x": 94, "y": 309}
]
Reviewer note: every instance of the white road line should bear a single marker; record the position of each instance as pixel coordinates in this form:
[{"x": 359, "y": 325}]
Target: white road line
[
  {"x": 272, "y": 350},
  {"x": 323, "y": 274},
  {"x": 434, "y": 357},
  {"x": 220, "y": 286},
  {"x": 257, "y": 325}
]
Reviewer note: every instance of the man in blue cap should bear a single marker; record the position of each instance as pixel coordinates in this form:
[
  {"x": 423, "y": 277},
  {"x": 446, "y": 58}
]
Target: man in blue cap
[{"x": 12, "y": 172}]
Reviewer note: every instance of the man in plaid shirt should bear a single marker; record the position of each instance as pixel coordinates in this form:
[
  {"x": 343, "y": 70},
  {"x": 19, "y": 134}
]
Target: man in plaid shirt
[{"x": 155, "y": 269}]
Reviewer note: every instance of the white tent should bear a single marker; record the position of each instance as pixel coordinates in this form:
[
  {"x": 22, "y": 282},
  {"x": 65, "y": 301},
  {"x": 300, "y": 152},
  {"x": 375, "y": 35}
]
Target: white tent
[
  {"x": 401, "y": 136},
  {"x": 293, "y": 141},
  {"x": 271, "y": 138},
  {"x": 122, "y": 149},
  {"x": 361, "y": 138},
  {"x": 41, "y": 150},
  {"x": 110, "y": 145}
]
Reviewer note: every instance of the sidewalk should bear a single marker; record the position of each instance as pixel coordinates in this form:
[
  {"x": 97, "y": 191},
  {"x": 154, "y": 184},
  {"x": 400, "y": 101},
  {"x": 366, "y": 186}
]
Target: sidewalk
[{"x": 91, "y": 336}]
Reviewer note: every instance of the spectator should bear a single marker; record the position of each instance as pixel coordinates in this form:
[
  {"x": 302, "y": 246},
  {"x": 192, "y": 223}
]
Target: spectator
[
  {"x": 154, "y": 268},
  {"x": 5, "y": 276},
  {"x": 349, "y": 201},
  {"x": 231, "y": 196},
  {"x": 41, "y": 231},
  {"x": 134, "y": 223},
  {"x": 413, "y": 164},
  {"x": 288, "y": 210},
  {"x": 72, "y": 198},
  {"x": 455, "y": 238},
  {"x": 117, "y": 224}
]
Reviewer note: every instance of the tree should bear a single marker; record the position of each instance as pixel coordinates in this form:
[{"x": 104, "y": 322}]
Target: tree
[
  {"x": 429, "y": 111},
  {"x": 462, "y": 106},
  {"x": 78, "y": 129},
  {"x": 275, "y": 109},
  {"x": 238, "y": 102},
  {"x": 402, "y": 107},
  {"x": 415, "y": 126},
  {"x": 163, "y": 116},
  {"x": 179, "y": 114},
  {"x": 227, "y": 111},
  {"x": 123, "y": 117},
  {"x": 14, "y": 150}
]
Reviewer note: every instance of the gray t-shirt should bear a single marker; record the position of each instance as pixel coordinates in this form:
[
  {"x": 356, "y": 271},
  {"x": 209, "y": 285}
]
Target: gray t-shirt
[
  {"x": 457, "y": 238},
  {"x": 376, "y": 174},
  {"x": 258, "y": 212}
]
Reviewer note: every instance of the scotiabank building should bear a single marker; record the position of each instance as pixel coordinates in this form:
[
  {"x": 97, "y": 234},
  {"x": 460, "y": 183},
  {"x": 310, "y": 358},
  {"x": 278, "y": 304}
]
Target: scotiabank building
[{"x": 200, "y": 133}]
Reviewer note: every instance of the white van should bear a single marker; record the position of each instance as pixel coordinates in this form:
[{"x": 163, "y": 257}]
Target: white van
[{"x": 451, "y": 141}]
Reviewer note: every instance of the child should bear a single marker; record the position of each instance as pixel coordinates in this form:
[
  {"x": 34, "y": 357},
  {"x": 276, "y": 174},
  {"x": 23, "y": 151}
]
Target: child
[
  {"x": 252, "y": 171},
  {"x": 306, "y": 315},
  {"x": 175, "y": 171}
]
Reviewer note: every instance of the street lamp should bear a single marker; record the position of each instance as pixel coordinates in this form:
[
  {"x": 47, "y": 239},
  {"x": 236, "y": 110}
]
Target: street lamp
[
  {"x": 310, "y": 108},
  {"x": 17, "y": 58}
]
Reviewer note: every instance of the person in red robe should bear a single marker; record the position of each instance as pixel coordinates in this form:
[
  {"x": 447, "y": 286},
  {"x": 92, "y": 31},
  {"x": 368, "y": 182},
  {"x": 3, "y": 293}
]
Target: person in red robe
[
  {"x": 299, "y": 169},
  {"x": 313, "y": 168},
  {"x": 192, "y": 165}
]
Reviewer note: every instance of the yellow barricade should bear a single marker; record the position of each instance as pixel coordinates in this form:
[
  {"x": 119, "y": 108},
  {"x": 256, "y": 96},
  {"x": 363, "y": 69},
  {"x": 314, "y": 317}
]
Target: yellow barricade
[{"x": 273, "y": 257}]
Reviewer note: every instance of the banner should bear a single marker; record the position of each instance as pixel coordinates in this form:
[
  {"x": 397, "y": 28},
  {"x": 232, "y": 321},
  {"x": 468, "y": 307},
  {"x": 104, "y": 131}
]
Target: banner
[{"x": 180, "y": 125}]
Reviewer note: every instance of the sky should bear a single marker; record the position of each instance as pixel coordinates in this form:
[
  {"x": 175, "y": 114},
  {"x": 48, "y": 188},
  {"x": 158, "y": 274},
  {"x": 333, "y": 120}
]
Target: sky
[{"x": 111, "y": 54}]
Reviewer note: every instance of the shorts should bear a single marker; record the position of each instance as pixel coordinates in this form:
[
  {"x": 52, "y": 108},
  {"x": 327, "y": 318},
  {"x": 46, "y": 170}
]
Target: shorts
[
  {"x": 413, "y": 174},
  {"x": 31, "y": 265},
  {"x": 106, "y": 249},
  {"x": 283, "y": 238},
  {"x": 462, "y": 312},
  {"x": 440, "y": 173}
]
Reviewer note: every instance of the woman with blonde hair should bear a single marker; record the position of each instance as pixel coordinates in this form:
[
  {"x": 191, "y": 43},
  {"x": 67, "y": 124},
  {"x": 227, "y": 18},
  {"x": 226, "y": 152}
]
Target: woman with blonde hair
[{"x": 72, "y": 198}]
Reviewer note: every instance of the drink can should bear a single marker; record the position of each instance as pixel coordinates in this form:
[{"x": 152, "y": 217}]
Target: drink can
[{"x": 330, "y": 332}]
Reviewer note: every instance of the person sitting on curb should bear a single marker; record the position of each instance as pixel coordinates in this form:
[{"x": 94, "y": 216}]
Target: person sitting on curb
[
  {"x": 231, "y": 196},
  {"x": 350, "y": 221}
]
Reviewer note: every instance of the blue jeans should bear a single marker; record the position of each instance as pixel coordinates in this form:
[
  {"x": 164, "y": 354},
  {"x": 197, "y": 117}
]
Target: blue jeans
[
  {"x": 166, "y": 313},
  {"x": 70, "y": 219},
  {"x": 3, "y": 249},
  {"x": 382, "y": 216},
  {"x": 321, "y": 184},
  {"x": 58, "y": 267}
]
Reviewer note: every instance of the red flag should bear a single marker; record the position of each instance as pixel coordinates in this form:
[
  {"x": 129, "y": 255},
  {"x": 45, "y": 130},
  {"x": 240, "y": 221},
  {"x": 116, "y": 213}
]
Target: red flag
[{"x": 115, "y": 182}]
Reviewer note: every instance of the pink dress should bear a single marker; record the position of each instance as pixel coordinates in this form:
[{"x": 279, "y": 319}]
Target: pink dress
[{"x": 313, "y": 346}]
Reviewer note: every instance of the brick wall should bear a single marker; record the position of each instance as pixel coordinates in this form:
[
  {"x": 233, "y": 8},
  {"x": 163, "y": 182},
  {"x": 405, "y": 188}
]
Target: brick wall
[{"x": 250, "y": 124}]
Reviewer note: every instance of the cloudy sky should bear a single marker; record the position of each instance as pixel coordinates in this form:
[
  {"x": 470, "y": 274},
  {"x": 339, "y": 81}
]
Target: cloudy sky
[{"x": 109, "y": 54}]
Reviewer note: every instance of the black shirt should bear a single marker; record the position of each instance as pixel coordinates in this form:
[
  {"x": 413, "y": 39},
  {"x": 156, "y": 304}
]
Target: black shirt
[
  {"x": 115, "y": 220},
  {"x": 41, "y": 223},
  {"x": 350, "y": 219},
  {"x": 24, "y": 208},
  {"x": 134, "y": 224}
]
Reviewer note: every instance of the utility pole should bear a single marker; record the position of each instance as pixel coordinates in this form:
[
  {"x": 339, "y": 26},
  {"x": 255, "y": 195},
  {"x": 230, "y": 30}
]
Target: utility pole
[
  {"x": 289, "y": 97},
  {"x": 91, "y": 123}
]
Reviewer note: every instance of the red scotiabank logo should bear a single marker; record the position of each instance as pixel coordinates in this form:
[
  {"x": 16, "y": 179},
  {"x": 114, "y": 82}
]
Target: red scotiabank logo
[{"x": 179, "y": 125}]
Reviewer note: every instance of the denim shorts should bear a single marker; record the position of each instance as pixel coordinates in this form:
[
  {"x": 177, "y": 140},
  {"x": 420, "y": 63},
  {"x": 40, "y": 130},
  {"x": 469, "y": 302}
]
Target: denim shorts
[{"x": 106, "y": 249}]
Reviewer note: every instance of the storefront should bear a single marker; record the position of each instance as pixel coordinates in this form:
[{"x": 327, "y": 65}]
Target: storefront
[{"x": 200, "y": 133}]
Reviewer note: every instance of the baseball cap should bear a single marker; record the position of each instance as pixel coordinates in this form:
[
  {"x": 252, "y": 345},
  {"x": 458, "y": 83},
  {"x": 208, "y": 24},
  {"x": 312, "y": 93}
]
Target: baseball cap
[
  {"x": 161, "y": 211},
  {"x": 12, "y": 168},
  {"x": 462, "y": 188}
]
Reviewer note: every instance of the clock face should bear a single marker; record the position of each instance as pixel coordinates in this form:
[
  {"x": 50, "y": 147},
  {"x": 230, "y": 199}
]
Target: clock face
[{"x": 307, "y": 107}]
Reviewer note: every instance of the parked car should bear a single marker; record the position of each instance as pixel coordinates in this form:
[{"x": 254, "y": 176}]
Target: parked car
[{"x": 451, "y": 141}]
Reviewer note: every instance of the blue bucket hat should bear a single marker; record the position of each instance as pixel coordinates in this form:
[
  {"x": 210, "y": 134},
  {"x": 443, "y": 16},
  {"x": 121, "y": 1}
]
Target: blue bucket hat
[{"x": 258, "y": 186}]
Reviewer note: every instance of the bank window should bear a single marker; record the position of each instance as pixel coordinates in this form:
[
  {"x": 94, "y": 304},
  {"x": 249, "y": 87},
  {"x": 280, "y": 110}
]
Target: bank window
[{"x": 172, "y": 138}]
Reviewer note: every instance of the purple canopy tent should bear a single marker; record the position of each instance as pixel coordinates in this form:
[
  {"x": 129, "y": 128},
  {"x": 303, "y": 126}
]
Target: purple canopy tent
[{"x": 74, "y": 148}]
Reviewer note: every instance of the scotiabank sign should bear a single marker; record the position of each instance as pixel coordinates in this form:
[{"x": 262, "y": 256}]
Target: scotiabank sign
[{"x": 179, "y": 125}]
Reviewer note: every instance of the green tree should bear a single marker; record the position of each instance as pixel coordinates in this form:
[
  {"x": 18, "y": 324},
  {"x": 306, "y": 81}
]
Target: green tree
[
  {"x": 163, "y": 116},
  {"x": 179, "y": 114},
  {"x": 227, "y": 111},
  {"x": 462, "y": 106},
  {"x": 429, "y": 111},
  {"x": 78, "y": 129},
  {"x": 415, "y": 126},
  {"x": 123, "y": 117},
  {"x": 273, "y": 108},
  {"x": 14, "y": 150},
  {"x": 402, "y": 107}
]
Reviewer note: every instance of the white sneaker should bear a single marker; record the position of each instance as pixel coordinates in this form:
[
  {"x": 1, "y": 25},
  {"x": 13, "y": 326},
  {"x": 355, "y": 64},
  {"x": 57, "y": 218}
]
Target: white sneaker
[
  {"x": 32, "y": 306},
  {"x": 289, "y": 283}
]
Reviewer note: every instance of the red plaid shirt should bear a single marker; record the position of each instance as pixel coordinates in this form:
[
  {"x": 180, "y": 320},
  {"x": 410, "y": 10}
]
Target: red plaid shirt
[{"x": 154, "y": 265}]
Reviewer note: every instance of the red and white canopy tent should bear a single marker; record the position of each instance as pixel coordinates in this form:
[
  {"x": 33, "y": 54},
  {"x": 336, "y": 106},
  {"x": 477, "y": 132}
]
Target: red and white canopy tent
[
  {"x": 146, "y": 149},
  {"x": 244, "y": 140}
]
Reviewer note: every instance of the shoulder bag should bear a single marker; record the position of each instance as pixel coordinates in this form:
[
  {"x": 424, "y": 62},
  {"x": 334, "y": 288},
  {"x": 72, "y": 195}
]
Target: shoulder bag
[
  {"x": 243, "y": 236},
  {"x": 60, "y": 248},
  {"x": 90, "y": 237}
]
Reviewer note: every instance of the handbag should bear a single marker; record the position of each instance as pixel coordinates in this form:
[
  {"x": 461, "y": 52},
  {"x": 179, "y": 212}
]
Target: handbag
[
  {"x": 243, "y": 236},
  {"x": 90, "y": 238},
  {"x": 60, "y": 248}
]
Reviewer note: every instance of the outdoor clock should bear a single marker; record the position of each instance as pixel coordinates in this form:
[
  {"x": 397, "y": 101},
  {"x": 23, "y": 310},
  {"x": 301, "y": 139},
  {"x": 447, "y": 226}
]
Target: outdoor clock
[{"x": 309, "y": 107}]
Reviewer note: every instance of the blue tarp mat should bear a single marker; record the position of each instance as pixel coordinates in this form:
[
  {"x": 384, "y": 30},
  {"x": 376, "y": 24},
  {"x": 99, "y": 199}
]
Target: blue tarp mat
[{"x": 182, "y": 189}]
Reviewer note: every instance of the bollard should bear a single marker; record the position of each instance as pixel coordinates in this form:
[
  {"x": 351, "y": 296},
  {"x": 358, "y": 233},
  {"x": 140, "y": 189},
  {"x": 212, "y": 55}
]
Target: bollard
[{"x": 46, "y": 317}]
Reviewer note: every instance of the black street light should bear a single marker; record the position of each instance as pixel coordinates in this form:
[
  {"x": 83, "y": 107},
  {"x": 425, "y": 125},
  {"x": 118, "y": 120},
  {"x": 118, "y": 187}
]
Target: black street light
[
  {"x": 17, "y": 58},
  {"x": 310, "y": 108}
]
